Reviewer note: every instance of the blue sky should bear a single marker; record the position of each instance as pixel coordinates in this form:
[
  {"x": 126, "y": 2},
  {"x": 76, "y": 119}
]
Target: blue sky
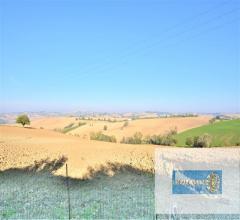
[{"x": 122, "y": 55}]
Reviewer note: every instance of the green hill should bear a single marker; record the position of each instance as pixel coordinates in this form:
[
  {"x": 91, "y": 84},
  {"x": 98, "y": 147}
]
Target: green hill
[{"x": 224, "y": 133}]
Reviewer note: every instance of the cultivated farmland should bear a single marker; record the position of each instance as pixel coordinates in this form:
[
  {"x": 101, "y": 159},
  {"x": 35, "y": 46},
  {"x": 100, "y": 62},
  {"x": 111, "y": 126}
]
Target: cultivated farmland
[
  {"x": 224, "y": 133},
  {"x": 119, "y": 129}
]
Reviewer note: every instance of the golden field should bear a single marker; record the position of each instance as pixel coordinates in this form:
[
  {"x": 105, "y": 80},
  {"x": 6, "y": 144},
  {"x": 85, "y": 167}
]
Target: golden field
[
  {"x": 22, "y": 147},
  {"x": 145, "y": 126}
]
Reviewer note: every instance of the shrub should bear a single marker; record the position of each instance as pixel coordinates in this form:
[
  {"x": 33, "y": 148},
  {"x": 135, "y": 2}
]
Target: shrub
[
  {"x": 127, "y": 140},
  {"x": 168, "y": 140},
  {"x": 189, "y": 141},
  {"x": 238, "y": 143},
  {"x": 135, "y": 139},
  {"x": 58, "y": 130},
  {"x": 81, "y": 124},
  {"x": 23, "y": 120},
  {"x": 202, "y": 141},
  {"x": 138, "y": 137},
  {"x": 105, "y": 127},
  {"x": 147, "y": 139},
  {"x": 173, "y": 131},
  {"x": 211, "y": 121},
  {"x": 69, "y": 126},
  {"x": 125, "y": 124},
  {"x": 99, "y": 136},
  {"x": 123, "y": 141},
  {"x": 154, "y": 139},
  {"x": 135, "y": 118}
]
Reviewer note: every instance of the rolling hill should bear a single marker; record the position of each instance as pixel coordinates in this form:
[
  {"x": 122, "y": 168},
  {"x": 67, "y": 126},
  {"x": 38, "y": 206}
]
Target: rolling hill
[{"x": 145, "y": 126}]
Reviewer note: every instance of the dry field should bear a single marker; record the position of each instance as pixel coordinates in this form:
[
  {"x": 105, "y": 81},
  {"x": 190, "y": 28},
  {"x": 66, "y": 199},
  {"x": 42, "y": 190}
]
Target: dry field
[
  {"x": 28, "y": 192},
  {"x": 22, "y": 147},
  {"x": 52, "y": 122},
  {"x": 32, "y": 174},
  {"x": 145, "y": 126}
]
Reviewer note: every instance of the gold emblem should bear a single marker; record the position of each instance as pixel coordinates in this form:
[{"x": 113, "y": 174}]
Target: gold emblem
[{"x": 213, "y": 182}]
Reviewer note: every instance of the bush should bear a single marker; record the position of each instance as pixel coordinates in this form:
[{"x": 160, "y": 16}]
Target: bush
[
  {"x": 202, "y": 141},
  {"x": 69, "y": 126},
  {"x": 135, "y": 139},
  {"x": 125, "y": 124},
  {"x": 189, "y": 141},
  {"x": 154, "y": 139},
  {"x": 23, "y": 120},
  {"x": 168, "y": 139},
  {"x": 99, "y": 136},
  {"x": 105, "y": 127},
  {"x": 211, "y": 121},
  {"x": 81, "y": 124},
  {"x": 172, "y": 131},
  {"x": 58, "y": 130}
]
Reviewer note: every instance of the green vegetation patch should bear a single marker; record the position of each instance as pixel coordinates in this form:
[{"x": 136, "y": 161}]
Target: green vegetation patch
[
  {"x": 99, "y": 136},
  {"x": 70, "y": 127},
  {"x": 223, "y": 133},
  {"x": 167, "y": 139}
]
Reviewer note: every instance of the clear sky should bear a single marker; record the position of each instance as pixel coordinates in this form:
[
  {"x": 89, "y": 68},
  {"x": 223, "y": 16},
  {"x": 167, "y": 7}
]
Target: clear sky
[{"x": 120, "y": 55}]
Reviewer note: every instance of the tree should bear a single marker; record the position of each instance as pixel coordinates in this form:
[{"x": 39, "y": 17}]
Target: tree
[{"x": 23, "y": 119}]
